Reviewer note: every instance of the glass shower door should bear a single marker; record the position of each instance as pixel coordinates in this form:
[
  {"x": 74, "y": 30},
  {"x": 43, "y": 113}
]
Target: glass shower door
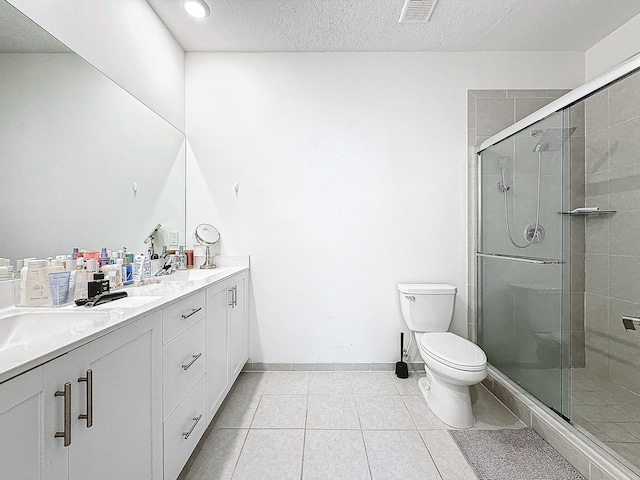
[{"x": 522, "y": 265}]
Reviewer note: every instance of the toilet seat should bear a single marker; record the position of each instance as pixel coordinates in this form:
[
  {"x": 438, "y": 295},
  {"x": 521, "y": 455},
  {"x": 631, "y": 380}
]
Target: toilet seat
[{"x": 453, "y": 351}]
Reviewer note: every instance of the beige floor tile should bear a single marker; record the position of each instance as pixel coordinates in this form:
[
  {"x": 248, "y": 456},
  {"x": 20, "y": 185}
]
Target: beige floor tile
[
  {"x": 615, "y": 432},
  {"x": 407, "y": 386},
  {"x": 330, "y": 383},
  {"x": 489, "y": 413},
  {"x": 331, "y": 412},
  {"x": 373, "y": 383},
  {"x": 397, "y": 455},
  {"x": 237, "y": 411},
  {"x": 335, "y": 455},
  {"x": 250, "y": 383},
  {"x": 217, "y": 456},
  {"x": 383, "y": 412},
  {"x": 287, "y": 383},
  {"x": 422, "y": 414},
  {"x": 448, "y": 458},
  {"x": 271, "y": 455},
  {"x": 281, "y": 411}
]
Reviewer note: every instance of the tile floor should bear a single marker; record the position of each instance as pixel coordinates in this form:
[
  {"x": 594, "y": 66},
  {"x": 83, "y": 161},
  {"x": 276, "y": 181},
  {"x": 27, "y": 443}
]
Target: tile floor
[
  {"x": 334, "y": 425},
  {"x": 608, "y": 412}
]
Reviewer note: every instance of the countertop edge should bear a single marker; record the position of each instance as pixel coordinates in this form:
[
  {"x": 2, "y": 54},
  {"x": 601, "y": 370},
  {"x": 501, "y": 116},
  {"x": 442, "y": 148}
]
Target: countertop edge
[{"x": 190, "y": 288}]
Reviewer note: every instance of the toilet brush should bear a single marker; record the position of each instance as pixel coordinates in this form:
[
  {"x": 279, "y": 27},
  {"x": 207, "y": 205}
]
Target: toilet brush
[{"x": 402, "y": 369}]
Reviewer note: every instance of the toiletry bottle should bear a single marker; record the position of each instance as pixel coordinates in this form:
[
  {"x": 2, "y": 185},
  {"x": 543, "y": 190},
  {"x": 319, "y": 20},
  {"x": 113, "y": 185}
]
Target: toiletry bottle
[
  {"x": 182, "y": 259},
  {"x": 104, "y": 257},
  {"x": 92, "y": 268},
  {"x": 37, "y": 292},
  {"x": 138, "y": 269},
  {"x": 122, "y": 269},
  {"x": 5, "y": 269},
  {"x": 128, "y": 272},
  {"x": 146, "y": 267}
]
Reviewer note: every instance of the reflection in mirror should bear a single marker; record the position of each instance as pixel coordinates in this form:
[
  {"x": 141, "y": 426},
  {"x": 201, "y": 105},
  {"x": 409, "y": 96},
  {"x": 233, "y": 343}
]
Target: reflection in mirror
[{"x": 84, "y": 163}]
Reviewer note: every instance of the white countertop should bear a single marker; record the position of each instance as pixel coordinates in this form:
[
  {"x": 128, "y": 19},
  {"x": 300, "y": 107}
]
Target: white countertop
[{"x": 31, "y": 336}]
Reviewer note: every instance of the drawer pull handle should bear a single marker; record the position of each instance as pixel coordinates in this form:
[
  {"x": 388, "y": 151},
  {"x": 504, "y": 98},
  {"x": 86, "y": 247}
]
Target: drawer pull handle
[
  {"x": 195, "y": 422},
  {"x": 193, "y": 359},
  {"x": 89, "y": 415},
  {"x": 66, "y": 433},
  {"x": 193, "y": 312}
]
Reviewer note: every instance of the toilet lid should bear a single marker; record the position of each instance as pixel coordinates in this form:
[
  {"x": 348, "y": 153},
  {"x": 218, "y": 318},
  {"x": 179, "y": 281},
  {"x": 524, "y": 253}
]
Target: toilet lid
[{"x": 454, "y": 351}]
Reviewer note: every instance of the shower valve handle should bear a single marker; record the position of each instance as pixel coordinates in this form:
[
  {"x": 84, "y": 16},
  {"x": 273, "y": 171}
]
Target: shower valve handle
[{"x": 502, "y": 187}]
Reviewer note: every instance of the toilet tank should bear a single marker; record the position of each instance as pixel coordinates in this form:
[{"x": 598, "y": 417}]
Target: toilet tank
[{"x": 427, "y": 307}]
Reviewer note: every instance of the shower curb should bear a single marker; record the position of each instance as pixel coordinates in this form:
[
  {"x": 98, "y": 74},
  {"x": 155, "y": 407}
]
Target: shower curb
[{"x": 591, "y": 461}]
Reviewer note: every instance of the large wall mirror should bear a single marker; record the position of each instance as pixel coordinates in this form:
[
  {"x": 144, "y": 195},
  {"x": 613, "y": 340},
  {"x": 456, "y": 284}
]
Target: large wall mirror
[{"x": 84, "y": 163}]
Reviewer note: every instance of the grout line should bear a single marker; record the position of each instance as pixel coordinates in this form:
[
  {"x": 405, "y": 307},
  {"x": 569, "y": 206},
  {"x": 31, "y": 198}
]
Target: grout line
[
  {"x": 235, "y": 465},
  {"x": 433, "y": 460}
]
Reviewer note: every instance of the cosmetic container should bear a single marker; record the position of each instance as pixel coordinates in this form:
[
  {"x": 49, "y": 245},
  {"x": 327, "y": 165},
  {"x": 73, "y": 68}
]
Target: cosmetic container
[
  {"x": 59, "y": 287},
  {"x": 104, "y": 257}
]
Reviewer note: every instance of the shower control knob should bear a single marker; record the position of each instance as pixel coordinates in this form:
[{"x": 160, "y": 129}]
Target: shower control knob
[
  {"x": 534, "y": 233},
  {"x": 502, "y": 187}
]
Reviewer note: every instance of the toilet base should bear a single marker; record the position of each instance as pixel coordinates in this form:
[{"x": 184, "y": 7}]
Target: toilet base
[{"x": 450, "y": 403}]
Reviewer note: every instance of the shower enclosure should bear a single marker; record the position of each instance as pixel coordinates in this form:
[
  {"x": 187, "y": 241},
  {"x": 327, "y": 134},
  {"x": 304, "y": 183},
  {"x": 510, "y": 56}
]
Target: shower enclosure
[{"x": 558, "y": 261}]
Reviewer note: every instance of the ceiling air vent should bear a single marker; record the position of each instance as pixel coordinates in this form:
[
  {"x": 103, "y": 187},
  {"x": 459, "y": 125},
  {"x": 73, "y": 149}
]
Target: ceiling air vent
[{"x": 417, "y": 10}]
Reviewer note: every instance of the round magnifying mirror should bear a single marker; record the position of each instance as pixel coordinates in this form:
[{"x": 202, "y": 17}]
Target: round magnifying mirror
[{"x": 207, "y": 235}]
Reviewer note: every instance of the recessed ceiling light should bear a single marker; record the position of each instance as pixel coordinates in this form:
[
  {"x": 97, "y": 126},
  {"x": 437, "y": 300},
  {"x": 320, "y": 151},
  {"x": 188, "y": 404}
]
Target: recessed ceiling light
[{"x": 197, "y": 8}]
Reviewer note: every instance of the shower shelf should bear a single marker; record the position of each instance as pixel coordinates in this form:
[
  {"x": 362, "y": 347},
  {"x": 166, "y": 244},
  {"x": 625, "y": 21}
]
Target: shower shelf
[{"x": 588, "y": 213}]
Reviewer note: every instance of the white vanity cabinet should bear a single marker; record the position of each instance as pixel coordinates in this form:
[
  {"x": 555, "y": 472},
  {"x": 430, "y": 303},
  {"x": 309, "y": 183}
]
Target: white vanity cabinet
[
  {"x": 184, "y": 363},
  {"x": 133, "y": 403},
  {"x": 117, "y": 391},
  {"x": 91, "y": 413},
  {"x": 237, "y": 326},
  {"x": 227, "y": 337},
  {"x": 29, "y": 417}
]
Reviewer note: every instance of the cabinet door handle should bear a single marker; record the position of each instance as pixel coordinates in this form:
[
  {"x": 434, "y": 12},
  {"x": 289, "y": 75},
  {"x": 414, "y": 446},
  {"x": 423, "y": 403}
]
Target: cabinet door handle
[
  {"x": 235, "y": 296},
  {"x": 89, "y": 415},
  {"x": 194, "y": 358},
  {"x": 66, "y": 433},
  {"x": 230, "y": 303},
  {"x": 193, "y": 312},
  {"x": 195, "y": 422}
]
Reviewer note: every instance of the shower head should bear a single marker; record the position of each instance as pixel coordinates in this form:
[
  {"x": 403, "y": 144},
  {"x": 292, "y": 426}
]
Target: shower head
[{"x": 553, "y": 138}]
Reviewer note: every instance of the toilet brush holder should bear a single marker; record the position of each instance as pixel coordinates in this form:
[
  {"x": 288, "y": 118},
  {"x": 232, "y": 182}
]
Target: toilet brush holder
[{"x": 402, "y": 369}]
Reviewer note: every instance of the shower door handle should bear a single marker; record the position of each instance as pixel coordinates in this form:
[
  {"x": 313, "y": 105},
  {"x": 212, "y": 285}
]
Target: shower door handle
[{"x": 630, "y": 322}]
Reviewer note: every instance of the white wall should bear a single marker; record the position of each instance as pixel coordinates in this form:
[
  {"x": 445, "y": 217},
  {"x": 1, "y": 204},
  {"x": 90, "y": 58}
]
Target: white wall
[
  {"x": 613, "y": 49},
  {"x": 352, "y": 178},
  {"x": 124, "y": 39}
]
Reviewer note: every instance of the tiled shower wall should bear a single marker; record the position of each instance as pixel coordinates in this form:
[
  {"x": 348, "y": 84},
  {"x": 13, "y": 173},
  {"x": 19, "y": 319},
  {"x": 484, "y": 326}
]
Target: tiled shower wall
[
  {"x": 490, "y": 111},
  {"x": 612, "y": 287}
]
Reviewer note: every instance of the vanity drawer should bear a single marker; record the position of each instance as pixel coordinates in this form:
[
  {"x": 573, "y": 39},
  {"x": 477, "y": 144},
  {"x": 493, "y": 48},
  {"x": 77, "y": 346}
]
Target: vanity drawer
[
  {"x": 190, "y": 418},
  {"x": 181, "y": 315},
  {"x": 183, "y": 364}
]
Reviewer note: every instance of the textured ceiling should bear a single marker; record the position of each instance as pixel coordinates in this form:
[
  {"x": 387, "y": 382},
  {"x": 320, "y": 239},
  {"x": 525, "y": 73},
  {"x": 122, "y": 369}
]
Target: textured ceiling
[
  {"x": 19, "y": 34},
  {"x": 372, "y": 25}
]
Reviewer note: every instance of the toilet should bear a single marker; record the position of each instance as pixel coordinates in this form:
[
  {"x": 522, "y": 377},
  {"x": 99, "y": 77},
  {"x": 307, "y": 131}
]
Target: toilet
[{"x": 452, "y": 363}]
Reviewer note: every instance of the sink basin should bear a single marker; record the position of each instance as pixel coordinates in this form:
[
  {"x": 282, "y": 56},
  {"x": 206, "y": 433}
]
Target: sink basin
[
  {"x": 192, "y": 275},
  {"x": 35, "y": 328}
]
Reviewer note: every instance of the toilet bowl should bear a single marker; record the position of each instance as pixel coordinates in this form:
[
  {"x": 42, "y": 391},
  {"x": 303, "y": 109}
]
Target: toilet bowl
[{"x": 452, "y": 363}]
